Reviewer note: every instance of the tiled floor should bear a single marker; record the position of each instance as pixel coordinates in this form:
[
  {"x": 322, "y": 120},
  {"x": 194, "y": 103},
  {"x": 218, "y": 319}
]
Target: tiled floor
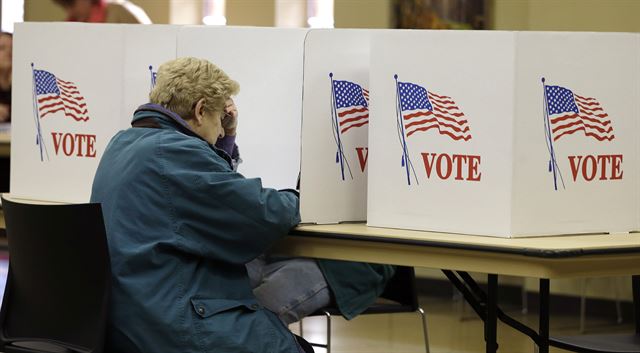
[{"x": 449, "y": 331}]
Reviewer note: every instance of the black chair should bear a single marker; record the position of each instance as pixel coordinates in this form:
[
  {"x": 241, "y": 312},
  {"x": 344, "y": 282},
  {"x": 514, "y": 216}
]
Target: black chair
[
  {"x": 57, "y": 289},
  {"x": 399, "y": 296}
]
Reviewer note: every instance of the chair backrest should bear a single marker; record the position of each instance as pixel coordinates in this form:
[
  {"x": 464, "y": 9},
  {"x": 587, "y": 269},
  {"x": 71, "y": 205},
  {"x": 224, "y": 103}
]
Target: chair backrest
[
  {"x": 59, "y": 276},
  {"x": 401, "y": 287}
]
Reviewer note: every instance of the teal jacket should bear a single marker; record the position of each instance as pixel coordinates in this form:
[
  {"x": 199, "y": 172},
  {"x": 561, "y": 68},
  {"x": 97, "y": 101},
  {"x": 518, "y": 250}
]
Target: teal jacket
[{"x": 181, "y": 224}]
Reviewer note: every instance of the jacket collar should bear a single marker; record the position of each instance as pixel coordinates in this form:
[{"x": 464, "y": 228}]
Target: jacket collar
[
  {"x": 151, "y": 110},
  {"x": 167, "y": 119}
]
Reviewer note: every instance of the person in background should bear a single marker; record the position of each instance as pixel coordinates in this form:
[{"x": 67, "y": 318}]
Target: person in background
[
  {"x": 6, "y": 54},
  {"x": 182, "y": 223},
  {"x": 103, "y": 11}
]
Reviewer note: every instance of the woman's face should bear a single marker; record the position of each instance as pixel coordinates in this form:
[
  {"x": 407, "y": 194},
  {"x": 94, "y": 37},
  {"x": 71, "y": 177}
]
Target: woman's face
[
  {"x": 212, "y": 127},
  {"x": 6, "y": 52},
  {"x": 206, "y": 123}
]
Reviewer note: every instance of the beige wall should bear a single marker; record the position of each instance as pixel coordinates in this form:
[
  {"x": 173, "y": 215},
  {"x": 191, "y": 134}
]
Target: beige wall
[
  {"x": 251, "y": 12},
  {"x": 42, "y": 10},
  {"x": 158, "y": 10},
  {"x": 362, "y": 13},
  {"x": 540, "y": 15},
  {"x": 566, "y": 15},
  {"x": 185, "y": 11},
  {"x": 509, "y": 14}
]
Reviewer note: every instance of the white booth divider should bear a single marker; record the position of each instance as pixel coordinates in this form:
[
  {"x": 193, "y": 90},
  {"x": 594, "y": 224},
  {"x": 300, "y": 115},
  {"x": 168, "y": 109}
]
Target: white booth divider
[
  {"x": 335, "y": 126},
  {"x": 595, "y": 141},
  {"x": 89, "y": 79},
  {"x": 146, "y": 47},
  {"x": 491, "y": 133},
  {"x": 504, "y": 134},
  {"x": 267, "y": 62},
  {"x": 67, "y": 103}
]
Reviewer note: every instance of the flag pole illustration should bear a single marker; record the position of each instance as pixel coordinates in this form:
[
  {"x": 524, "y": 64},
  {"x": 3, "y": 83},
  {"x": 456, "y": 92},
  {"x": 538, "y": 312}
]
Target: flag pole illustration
[
  {"x": 153, "y": 78},
  {"x": 406, "y": 161},
  {"x": 553, "y": 165},
  {"x": 340, "y": 157},
  {"x": 36, "y": 115}
]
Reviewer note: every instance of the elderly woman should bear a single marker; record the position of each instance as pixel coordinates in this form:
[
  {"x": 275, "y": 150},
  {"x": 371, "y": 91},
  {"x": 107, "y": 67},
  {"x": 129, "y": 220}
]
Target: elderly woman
[{"x": 181, "y": 223}]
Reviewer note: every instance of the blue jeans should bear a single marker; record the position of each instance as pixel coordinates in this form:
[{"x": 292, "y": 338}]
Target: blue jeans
[{"x": 292, "y": 288}]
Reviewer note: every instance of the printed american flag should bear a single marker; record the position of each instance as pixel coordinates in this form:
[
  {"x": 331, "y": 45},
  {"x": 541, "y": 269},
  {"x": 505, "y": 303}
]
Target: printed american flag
[
  {"x": 569, "y": 113},
  {"x": 54, "y": 94},
  {"x": 352, "y": 105},
  {"x": 423, "y": 110}
]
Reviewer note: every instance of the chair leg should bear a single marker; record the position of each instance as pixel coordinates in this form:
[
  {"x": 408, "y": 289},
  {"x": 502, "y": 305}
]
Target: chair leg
[
  {"x": 583, "y": 304},
  {"x": 616, "y": 286},
  {"x": 619, "y": 318},
  {"x": 424, "y": 330},
  {"x": 523, "y": 294},
  {"x": 326, "y": 346},
  {"x": 326, "y": 313},
  {"x": 300, "y": 327}
]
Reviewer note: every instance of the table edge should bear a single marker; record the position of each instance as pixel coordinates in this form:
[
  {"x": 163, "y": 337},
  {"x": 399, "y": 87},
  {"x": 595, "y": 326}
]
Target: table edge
[{"x": 531, "y": 252}]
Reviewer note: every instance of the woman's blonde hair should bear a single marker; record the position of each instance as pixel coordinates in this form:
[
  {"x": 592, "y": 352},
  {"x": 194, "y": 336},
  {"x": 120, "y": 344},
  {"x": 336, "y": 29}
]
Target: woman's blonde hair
[{"x": 182, "y": 82}]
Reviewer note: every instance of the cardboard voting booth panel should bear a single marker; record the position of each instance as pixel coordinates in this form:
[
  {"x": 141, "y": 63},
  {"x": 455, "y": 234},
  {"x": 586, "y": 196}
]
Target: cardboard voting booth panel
[
  {"x": 589, "y": 132},
  {"x": 67, "y": 83},
  {"x": 146, "y": 48},
  {"x": 465, "y": 136},
  {"x": 69, "y": 105},
  {"x": 440, "y": 158},
  {"x": 267, "y": 63},
  {"x": 335, "y": 126}
]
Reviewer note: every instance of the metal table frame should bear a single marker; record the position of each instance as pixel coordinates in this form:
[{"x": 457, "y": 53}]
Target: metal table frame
[
  {"x": 360, "y": 243},
  {"x": 485, "y": 305}
]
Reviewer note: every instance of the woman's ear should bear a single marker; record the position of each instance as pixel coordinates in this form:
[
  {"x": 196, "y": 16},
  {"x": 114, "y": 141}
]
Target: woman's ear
[{"x": 199, "y": 111}]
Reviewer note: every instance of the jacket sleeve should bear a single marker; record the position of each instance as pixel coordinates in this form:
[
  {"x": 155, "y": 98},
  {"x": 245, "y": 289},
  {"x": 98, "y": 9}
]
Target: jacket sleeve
[{"x": 218, "y": 213}]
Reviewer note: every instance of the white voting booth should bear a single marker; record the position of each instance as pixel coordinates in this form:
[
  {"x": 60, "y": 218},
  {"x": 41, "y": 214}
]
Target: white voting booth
[
  {"x": 461, "y": 133},
  {"x": 466, "y": 137},
  {"x": 56, "y": 145},
  {"x": 598, "y": 165},
  {"x": 335, "y": 126},
  {"x": 146, "y": 47},
  {"x": 66, "y": 107},
  {"x": 86, "y": 82},
  {"x": 267, "y": 62},
  {"x": 116, "y": 74}
]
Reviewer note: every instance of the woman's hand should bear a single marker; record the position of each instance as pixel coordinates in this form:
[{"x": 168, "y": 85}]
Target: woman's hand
[{"x": 230, "y": 118}]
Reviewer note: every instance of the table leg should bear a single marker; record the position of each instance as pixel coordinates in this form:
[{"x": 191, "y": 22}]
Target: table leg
[
  {"x": 544, "y": 316},
  {"x": 465, "y": 286},
  {"x": 636, "y": 300},
  {"x": 491, "y": 323}
]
